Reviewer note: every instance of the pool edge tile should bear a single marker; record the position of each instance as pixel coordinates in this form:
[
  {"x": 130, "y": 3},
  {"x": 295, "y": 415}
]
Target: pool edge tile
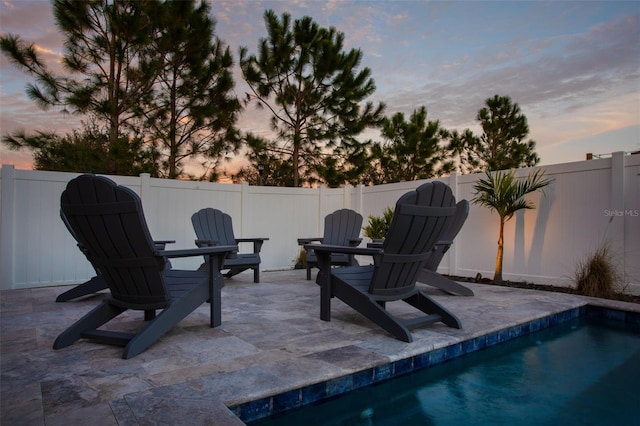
[{"x": 334, "y": 387}]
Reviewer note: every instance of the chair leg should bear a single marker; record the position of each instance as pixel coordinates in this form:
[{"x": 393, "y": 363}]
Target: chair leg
[
  {"x": 308, "y": 272},
  {"x": 438, "y": 281},
  {"x": 373, "y": 311},
  {"x": 323, "y": 279},
  {"x": 235, "y": 271},
  {"x": 94, "y": 285},
  {"x": 215, "y": 307},
  {"x": 429, "y": 306},
  {"x": 256, "y": 274},
  {"x": 165, "y": 320},
  {"x": 98, "y": 316}
]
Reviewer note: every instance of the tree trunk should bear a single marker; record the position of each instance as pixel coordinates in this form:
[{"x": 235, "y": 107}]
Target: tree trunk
[
  {"x": 173, "y": 145},
  {"x": 296, "y": 175},
  {"x": 296, "y": 158},
  {"x": 497, "y": 277}
]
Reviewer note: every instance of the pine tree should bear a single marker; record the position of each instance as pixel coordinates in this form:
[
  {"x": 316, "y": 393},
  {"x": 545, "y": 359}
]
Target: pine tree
[
  {"x": 412, "y": 149},
  {"x": 192, "y": 110},
  {"x": 502, "y": 145},
  {"x": 312, "y": 88},
  {"x": 106, "y": 73}
]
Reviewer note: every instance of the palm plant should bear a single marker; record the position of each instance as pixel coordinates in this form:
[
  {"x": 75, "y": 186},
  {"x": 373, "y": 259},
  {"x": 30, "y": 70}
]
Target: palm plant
[
  {"x": 503, "y": 193},
  {"x": 379, "y": 225}
]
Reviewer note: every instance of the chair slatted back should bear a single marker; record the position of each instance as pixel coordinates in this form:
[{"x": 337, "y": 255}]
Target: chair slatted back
[
  {"x": 420, "y": 217},
  {"x": 341, "y": 226},
  {"x": 108, "y": 222},
  {"x": 449, "y": 234},
  {"x": 213, "y": 225}
]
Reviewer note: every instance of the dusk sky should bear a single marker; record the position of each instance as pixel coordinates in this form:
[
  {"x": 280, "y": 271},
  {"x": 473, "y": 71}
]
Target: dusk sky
[{"x": 572, "y": 66}]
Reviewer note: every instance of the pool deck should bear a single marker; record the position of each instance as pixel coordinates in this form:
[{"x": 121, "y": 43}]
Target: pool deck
[{"x": 271, "y": 342}]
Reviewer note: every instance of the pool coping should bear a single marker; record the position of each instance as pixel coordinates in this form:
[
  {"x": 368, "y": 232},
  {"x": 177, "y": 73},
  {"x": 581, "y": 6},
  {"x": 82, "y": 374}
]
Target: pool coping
[{"x": 314, "y": 393}]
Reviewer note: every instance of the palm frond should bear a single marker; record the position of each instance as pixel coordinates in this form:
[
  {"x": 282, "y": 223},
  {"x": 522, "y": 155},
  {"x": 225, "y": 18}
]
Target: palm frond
[{"x": 503, "y": 193}]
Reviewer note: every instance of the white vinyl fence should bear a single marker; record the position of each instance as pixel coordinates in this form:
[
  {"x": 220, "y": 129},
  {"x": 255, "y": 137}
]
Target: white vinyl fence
[{"x": 588, "y": 204}]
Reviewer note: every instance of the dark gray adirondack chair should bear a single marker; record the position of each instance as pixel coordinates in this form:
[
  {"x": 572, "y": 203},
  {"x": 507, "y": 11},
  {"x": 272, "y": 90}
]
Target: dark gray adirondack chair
[
  {"x": 213, "y": 227},
  {"x": 96, "y": 283},
  {"x": 108, "y": 221},
  {"x": 419, "y": 219},
  {"x": 341, "y": 228},
  {"x": 429, "y": 275}
]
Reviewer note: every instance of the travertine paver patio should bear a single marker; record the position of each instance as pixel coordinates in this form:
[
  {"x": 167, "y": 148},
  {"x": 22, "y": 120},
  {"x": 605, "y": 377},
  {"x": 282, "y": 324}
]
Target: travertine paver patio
[{"x": 271, "y": 340}]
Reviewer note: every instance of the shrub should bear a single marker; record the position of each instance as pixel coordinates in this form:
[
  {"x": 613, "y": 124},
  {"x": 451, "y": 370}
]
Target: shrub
[
  {"x": 379, "y": 225},
  {"x": 597, "y": 275},
  {"x": 300, "y": 262}
]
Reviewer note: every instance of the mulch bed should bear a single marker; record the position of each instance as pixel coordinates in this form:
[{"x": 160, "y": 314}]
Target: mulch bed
[{"x": 543, "y": 287}]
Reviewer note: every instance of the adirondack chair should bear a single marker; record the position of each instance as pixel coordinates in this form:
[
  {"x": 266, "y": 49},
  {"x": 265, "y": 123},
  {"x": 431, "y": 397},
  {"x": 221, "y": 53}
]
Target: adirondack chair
[
  {"x": 213, "y": 227},
  {"x": 428, "y": 275},
  {"x": 108, "y": 221},
  {"x": 96, "y": 283},
  {"x": 419, "y": 219},
  {"x": 341, "y": 228}
]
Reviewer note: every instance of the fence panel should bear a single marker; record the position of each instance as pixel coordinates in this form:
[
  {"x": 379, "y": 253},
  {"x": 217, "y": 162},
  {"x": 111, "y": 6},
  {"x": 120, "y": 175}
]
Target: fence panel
[{"x": 589, "y": 203}]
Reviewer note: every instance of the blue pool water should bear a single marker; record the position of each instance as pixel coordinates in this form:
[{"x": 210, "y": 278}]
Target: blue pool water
[{"x": 581, "y": 372}]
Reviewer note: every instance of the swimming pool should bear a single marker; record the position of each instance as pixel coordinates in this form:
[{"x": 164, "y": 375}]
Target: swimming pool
[{"x": 567, "y": 374}]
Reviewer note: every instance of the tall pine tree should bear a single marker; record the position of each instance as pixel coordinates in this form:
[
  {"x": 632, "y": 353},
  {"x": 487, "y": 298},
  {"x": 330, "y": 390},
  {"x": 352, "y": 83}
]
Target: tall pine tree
[
  {"x": 106, "y": 71},
  {"x": 412, "y": 149},
  {"x": 502, "y": 144},
  {"x": 192, "y": 110},
  {"x": 313, "y": 90},
  {"x": 152, "y": 73}
]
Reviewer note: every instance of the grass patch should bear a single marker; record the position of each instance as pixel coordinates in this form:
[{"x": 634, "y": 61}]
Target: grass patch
[{"x": 597, "y": 275}]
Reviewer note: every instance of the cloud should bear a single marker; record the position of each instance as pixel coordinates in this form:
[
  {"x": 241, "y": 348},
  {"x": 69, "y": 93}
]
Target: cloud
[
  {"x": 626, "y": 139},
  {"x": 599, "y": 117},
  {"x": 573, "y": 67},
  {"x": 571, "y": 71}
]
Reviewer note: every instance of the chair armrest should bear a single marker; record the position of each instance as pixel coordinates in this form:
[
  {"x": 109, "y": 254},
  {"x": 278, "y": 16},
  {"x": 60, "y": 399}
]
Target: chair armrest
[
  {"x": 323, "y": 253},
  {"x": 206, "y": 243},
  {"x": 303, "y": 241},
  {"x": 327, "y": 248},
  {"x": 354, "y": 242},
  {"x": 161, "y": 244},
  {"x": 215, "y": 256},
  {"x": 445, "y": 244},
  {"x": 164, "y": 241},
  {"x": 200, "y": 251},
  {"x": 257, "y": 242}
]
